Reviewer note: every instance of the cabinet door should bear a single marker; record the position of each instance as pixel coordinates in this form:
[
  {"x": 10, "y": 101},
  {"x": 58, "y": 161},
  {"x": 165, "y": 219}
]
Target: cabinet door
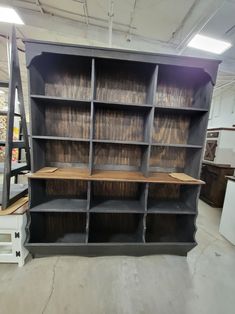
[
  {"x": 210, "y": 150},
  {"x": 210, "y": 177}
]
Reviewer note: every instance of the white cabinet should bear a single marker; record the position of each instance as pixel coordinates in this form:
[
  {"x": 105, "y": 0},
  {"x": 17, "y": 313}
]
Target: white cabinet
[
  {"x": 12, "y": 238},
  {"x": 227, "y": 223},
  {"x": 220, "y": 146}
]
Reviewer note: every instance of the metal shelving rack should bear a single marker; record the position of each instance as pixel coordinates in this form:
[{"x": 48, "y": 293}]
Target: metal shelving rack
[{"x": 12, "y": 192}]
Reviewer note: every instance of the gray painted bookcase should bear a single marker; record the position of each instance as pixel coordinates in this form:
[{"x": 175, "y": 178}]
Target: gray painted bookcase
[{"x": 107, "y": 129}]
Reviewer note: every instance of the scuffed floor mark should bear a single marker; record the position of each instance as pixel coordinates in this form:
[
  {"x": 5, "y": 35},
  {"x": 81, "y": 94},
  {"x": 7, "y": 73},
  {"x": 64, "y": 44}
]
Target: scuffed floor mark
[
  {"x": 199, "y": 256},
  {"x": 52, "y": 286}
]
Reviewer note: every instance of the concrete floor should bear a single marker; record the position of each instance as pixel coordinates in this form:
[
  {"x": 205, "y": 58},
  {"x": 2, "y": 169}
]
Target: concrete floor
[{"x": 204, "y": 282}]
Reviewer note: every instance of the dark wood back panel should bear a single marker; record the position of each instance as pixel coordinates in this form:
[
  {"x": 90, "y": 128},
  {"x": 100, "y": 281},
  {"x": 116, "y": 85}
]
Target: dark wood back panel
[
  {"x": 167, "y": 159},
  {"x": 123, "y": 81},
  {"x": 116, "y": 190},
  {"x": 69, "y": 153},
  {"x": 116, "y": 227},
  {"x": 170, "y": 128},
  {"x": 68, "y": 121},
  {"x": 119, "y": 124},
  {"x": 170, "y": 228},
  {"x": 58, "y": 227},
  {"x": 117, "y": 156}
]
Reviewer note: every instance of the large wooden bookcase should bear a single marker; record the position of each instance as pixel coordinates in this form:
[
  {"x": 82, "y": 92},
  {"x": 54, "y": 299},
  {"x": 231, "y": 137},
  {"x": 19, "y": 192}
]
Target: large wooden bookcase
[{"x": 107, "y": 129}]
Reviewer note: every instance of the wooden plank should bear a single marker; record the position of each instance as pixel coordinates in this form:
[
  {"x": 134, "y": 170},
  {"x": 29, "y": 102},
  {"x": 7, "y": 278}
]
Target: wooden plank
[
  {"x": 182, "y": 177},
  {"x": 17, "y": 206},
  {"x": 129, "y": 176},
  {"x": 48, "y": 169}
]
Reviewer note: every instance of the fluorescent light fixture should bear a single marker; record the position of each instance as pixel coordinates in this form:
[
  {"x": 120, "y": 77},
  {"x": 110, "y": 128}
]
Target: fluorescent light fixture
[
  {"x": 2, "y": 92},
  {"x": 9, "y": 15},
  {"x": 209, "y": 44}
]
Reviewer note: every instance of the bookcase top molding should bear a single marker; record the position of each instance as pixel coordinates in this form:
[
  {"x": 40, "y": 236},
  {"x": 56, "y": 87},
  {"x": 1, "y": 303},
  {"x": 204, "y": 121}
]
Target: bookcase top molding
[{"x": 36, "y": 48}]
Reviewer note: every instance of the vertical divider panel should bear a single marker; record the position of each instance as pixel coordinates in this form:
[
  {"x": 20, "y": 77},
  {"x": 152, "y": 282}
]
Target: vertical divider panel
[
  {"x": 93, "y": 88},
  {"x": 145, "y": 200},
  {"x": 88, "y": 195},
  {"x": 89, "y": 187},
  {"x": 149, "y": 122},
  {"x": 199, "y": 129},
  {"x": 144, "y": 196},
  {"x": 87, "y": 226}
]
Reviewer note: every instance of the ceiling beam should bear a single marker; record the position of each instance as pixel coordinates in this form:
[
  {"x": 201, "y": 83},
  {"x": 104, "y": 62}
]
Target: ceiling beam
[
  {"x": 198, "y": 16},
  {"x": 131, "y": 21},
  {"x": 111, "y": 15},
  {"x": 178, "y": 30},
  {"x": 49, "y": 9},
  {"x": 40, "y": 6}
]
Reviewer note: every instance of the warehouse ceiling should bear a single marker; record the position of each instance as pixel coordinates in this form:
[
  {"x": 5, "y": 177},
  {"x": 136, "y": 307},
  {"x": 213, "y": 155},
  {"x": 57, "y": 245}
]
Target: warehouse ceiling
[{"x": 148, "y": 25}]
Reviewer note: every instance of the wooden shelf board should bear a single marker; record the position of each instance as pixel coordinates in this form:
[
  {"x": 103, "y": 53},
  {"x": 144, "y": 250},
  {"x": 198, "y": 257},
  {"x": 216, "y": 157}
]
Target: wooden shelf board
[
  {"x": 116, "y": 206},
  {"x": 101, "y": 175},
  {"x": 19, "y": 207},
  {"x": 60, "y": 138},
  {"x": 119, "y": 142},
  {"x": 177, "y": 145},
  {"x": 14, "y": 190},
  {"x": 57, "y": 100},
  {"x": 181, "y": 110},
  {"x": 169, "y": 207},
  {"x": 61, "y": 205},
  {"x": 114, "y": 103}
]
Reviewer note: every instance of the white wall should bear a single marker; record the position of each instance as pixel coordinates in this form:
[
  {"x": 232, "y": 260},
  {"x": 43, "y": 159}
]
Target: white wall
[{"x": 222, "y": 112}]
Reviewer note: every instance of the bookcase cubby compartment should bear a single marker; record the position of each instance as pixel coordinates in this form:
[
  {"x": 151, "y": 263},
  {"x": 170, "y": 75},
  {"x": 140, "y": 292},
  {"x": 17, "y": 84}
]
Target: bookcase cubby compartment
[
  {"x": 60, "y": 153},
  {"x": 59, "y": 75},
  {"x": 182, "y": 87},
  {"x": 58, "y": 228},
  {"x": 175, "y": 159},
  {"x": 115, "y": 227},
  {"x": 175, "y": 128},
  {"x": 117, "y": 196},
  {"x": 60, "y": 118},
  {"x": 124, "y": 81},
  {"x": 123, "y": 123},
  {"x": 119, "y": 156},
  {"x": 169, "y": 228},
  {"x": 58, "y": 195},
  {"x": 172, "y": 198}
]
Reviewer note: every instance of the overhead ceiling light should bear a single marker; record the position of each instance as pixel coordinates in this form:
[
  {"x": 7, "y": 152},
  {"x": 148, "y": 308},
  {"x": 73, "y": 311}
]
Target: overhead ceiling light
[
  {"x": 9, "y": 15},
  {"x": 209, "y": 44}
]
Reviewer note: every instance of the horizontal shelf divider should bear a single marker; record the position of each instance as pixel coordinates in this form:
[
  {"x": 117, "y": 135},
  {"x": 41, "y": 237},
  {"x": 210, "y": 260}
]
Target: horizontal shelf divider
[
  {"x": 57, "y": 100},
  {"x": 120, "y": 142},
  {"x": 121, "y": 104},
  {"x": 169, "y": 207},
  {"x": 61, "y": 205},
  {"x": 181, "y": 110},
  {"x": 177, "y": 145},
  {"x": 117, "y": 206},
  {"x": 171, "y": 212},
  {"x": 107, "y": 175},
  {"x": 60, "y": 138}
]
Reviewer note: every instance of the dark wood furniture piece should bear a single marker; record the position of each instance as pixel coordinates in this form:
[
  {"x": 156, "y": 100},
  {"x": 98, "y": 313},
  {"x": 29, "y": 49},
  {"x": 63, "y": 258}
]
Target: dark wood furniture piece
[
  {"x": 115, "y": 123},
  {"x": 214, "y": 175}
]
